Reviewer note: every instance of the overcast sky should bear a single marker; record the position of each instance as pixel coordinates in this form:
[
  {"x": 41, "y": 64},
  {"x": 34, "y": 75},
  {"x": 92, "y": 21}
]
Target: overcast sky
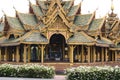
[{"x": 88, "y": 6}]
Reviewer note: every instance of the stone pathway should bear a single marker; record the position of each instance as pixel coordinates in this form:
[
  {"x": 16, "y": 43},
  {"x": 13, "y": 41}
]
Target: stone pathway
[{"x": 57, "y": 77}]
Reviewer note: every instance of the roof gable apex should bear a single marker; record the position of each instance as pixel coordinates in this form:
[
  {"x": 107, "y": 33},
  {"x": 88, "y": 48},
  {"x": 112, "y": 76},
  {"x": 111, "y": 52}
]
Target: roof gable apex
[
  {"x": 68, "y": 4},
  {"x": 74, "y": 10},
  {"x": 14, "y": 23},
  {"x": 96, "y": 24}
]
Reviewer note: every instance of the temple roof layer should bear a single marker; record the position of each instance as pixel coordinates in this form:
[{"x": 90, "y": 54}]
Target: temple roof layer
[
  {"x": 14, "y": 23},
  {"x": 80, "y": 28},
  {"x": 82, "y": 20},
  {"x": 33, "y": 38},
  {"x": 81, "y": 38}
]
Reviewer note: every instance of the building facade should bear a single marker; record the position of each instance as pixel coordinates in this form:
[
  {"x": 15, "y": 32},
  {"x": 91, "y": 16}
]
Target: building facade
[{"x": 56, "y": 31}]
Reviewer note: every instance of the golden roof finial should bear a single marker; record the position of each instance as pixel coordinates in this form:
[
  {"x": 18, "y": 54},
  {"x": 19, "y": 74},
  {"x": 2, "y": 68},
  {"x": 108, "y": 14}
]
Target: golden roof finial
[
  {"x": 29, "y": 1},
  {"x": 112, "y": 6},
  {"x": 3, "y": 12},
  {"x": 14, "y": 8}
]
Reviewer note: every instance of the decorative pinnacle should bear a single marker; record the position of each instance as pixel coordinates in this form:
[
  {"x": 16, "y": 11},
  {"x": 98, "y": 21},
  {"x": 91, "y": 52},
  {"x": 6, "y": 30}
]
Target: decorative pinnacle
[
  {"x": 3, "y": 12},
  {"x": 14, "y": 8},
  {"x": 29, "y": 1},
  {"x": 112, "y": 5}
]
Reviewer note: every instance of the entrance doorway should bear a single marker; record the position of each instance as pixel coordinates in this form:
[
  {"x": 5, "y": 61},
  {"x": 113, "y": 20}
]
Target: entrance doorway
[{"x": 56, "y": 48}]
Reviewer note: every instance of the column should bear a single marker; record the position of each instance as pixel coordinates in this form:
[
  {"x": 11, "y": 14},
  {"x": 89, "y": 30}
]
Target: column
[
  {"x": 17, "y": 54},
  {"x": 78, "y": 54},
  {"x": 5, "y": 55},
  {"x": 71, "y": 54},
  {"x": 39, "y": 52},
  {"x": 63, "y": 50},
  {"x": 46, "y": 52},
  {"x": 29, "y": 53},
  {"x": 115, "y": 55},
  {"x": 106, "y": 54},
  {"x": 112, "y": 55},
  {"x": 94, "y": 54},
  {"x": 82, "y": 55},
  {"x": 97, "y": 54},
  {"x": 88, "y": 54},
  {"x": 42, "y": 53},
  {"x": 91, "y": 53},
  {"x": 0, "y": 55},
  {"x": 13, "y": 57},
  {"x": 102, "y": 55},
  {"x": 24, "y": 54}
]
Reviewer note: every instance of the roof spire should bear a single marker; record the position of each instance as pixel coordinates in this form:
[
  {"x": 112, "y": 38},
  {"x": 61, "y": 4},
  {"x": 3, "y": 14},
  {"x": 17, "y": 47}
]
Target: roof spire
[
  {"x": 4, "y": 16},
  {"x": 112, "y": 6},
  {"x": 15, "y": 10},
  {"x": 29, "y": 2},
  {"x": 30, "y": 7},
  {"x": 4, "y": 12}
]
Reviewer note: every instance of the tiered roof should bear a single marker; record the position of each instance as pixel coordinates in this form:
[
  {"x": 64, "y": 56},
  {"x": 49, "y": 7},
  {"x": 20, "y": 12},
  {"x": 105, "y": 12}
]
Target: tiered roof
[
  {"x": 32, "y": 37},
  {"x": 37, "y": 10},
  {"x": 43, "y": 14},
  {"x": 82, "y": 20},
  {"x": 73, "y": 10},
  {"x": 28, "y": 19},
  {"x": 104, "y": 42},
  {"x": 81, "y": 38},
  {"x": 14, "y": 23},
  {"x": 96, "y": 24}
]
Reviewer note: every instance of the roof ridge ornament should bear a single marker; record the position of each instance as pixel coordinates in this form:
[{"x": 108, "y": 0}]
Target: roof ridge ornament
[
  {"x": 14, "y": 8},
  {"x": 112, "y": 6},
  {"x": 3, "y": 12},
  {"x": 16, "y": 11},
  {"x": 29, "y": 2}
]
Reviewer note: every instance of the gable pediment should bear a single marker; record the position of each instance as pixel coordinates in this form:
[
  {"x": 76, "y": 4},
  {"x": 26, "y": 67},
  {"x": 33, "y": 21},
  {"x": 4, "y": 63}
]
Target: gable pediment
[{"x": 58, "y": 25}]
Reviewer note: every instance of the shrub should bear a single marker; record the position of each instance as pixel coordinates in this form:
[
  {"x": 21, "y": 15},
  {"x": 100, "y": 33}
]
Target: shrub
[
  {"x": 93, "y": 73},
  {"x": 7, "y": 70},
  {"x": 27, "y": 70}
]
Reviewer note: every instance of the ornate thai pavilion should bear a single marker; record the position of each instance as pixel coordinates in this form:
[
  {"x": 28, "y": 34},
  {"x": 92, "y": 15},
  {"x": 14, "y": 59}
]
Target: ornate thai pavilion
[{"x": 56, "y": 31}]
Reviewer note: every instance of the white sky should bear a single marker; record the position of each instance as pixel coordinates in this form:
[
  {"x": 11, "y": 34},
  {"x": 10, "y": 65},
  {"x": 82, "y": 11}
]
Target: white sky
[{"x": 88, "y": 6}]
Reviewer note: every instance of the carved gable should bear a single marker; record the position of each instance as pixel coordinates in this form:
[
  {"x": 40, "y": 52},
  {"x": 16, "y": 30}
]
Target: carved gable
[{"x": 58, "y": 24}]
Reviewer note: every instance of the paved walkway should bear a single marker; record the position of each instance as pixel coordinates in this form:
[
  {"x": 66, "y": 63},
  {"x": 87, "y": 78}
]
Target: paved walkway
[{"x": 57, "y": 77}]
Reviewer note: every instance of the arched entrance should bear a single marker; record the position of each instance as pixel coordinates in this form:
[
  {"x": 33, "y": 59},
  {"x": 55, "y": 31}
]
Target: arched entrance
[{"x": 56, "y": 48}]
